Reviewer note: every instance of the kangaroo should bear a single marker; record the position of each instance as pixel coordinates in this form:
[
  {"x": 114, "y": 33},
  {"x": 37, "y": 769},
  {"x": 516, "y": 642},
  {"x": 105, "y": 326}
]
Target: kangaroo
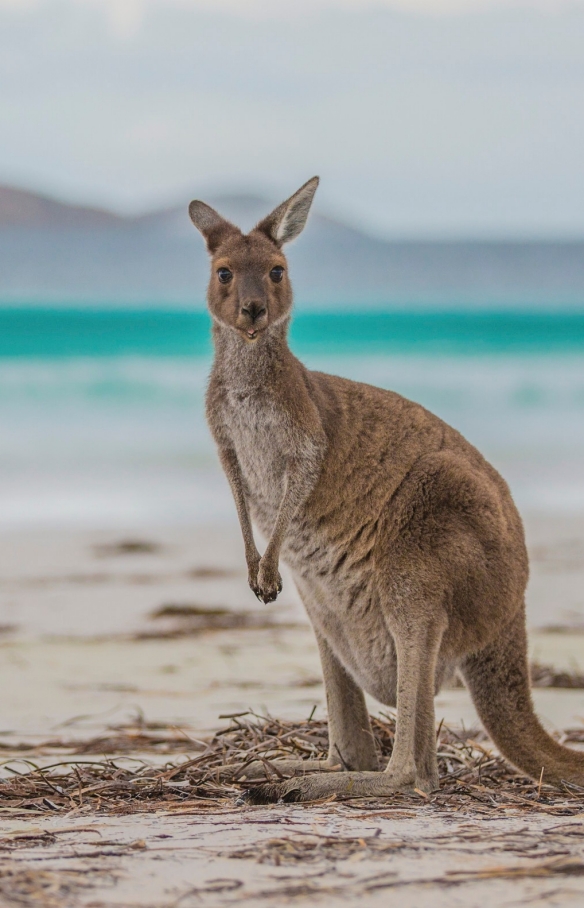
[{"x": 404, "y": 543}]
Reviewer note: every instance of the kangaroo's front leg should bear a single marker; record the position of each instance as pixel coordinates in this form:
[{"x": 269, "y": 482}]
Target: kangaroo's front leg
[
  {"x": 298, "y": 483},
  {"x": 232, "y": 470},
  {"x": 263, "y": 573}
]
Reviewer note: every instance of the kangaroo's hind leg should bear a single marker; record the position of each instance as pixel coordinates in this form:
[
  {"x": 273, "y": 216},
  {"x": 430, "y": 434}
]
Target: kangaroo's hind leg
[
  {"x": 414, "y": 759},
  {"x": 417, "y": 632},
  {"x": 351, "y": 741}
]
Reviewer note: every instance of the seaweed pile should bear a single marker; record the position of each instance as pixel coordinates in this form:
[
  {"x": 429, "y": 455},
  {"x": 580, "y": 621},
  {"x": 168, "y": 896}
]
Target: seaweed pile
[{"x": 113, "y": 772}]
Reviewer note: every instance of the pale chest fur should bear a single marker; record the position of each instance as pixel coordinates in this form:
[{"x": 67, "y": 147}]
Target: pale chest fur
[{"x": 260, "y": 433}]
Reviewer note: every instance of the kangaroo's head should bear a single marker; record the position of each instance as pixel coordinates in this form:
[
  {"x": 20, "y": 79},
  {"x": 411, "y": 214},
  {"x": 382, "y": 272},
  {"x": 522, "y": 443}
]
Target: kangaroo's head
[{"x": 249, "y": 289}]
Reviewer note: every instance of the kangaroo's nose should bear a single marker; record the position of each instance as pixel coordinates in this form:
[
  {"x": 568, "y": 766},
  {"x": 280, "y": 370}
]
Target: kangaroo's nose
[{"x": 254, "y": 310}]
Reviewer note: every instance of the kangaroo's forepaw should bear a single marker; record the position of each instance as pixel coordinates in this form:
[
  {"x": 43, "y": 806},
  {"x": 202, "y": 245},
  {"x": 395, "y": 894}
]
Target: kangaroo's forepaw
[{"x": 269, "y": 582}]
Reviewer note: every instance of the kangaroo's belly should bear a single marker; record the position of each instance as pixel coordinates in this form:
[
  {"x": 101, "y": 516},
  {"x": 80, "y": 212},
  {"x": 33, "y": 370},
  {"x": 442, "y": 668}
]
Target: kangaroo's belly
[
  {"x": 349, "y": 616},
  {"x": 354, "y": 626}
]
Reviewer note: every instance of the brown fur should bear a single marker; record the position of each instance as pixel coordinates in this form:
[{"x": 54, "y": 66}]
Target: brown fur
[{"x": 405, "y": 544}]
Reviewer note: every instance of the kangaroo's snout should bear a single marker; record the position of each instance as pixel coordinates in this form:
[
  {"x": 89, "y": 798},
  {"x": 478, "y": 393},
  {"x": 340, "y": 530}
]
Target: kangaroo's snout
[
  {"x": 253, "y": 310},
  {"x": 253, "y": 318}
]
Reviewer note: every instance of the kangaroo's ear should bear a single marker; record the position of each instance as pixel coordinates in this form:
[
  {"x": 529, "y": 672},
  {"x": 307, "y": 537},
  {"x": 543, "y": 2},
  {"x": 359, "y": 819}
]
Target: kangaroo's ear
[
  {"x": 288, "y": 219},
  {"x": 213, "y": 227}
]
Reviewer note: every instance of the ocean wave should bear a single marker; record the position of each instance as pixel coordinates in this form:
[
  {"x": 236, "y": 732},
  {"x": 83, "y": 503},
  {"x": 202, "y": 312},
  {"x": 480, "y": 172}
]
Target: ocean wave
[{"x": 125, "y": 439}]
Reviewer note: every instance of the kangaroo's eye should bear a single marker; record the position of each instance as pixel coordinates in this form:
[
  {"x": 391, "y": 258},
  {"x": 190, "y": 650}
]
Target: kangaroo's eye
[
  {"x": 224, "y": 275},
  {"x": 277, "y": 274}
]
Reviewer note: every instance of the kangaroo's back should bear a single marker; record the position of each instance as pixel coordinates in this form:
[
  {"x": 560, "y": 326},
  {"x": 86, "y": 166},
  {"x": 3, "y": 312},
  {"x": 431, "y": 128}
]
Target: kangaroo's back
[{"x": 375, "y": 439}]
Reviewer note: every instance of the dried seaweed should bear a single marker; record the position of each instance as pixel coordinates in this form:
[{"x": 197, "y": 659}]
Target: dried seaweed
[
  {"x": 473, "y": 777},
  {"x": 314, "y": 847},
  {"x": 547, "y": 676},
  {"x": 190, "y": 619},
  {"x": 127, "y": 547},
  {"x": 45, "y": 888}
]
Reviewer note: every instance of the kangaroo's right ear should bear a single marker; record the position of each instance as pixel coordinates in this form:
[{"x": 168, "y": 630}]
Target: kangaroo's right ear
[
  {"x": 287, "y": 221},
  {"x": 213, "y": 227}
]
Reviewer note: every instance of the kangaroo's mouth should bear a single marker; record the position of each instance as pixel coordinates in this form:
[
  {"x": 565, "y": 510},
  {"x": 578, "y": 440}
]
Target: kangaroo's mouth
[{"x": 252, "y": 333}]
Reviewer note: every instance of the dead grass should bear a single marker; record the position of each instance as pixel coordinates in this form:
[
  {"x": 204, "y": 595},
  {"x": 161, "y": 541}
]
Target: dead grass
[
  {"x": 124, "y": 780},
  {"x": 32, "y": 886},
  {"x": 546, "y": 676},
  {"x": 127, "y": 547},
  {"x": 177, "y": 619},
  {"x": 314, "y": 847}
]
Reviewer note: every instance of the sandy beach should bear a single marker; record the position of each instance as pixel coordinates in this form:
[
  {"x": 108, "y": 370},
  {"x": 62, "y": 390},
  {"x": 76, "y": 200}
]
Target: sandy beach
[{"x": 106, "y": 630}]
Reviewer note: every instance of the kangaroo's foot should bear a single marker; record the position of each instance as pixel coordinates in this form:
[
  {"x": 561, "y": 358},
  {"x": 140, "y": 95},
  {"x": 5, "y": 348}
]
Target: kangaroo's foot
[
  {"x": 276, "y": 769},
  {"x": 342, "y": 784}
]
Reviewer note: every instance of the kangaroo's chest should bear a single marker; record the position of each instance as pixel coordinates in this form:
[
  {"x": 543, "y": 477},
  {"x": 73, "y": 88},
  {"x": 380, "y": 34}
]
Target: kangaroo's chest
[{"x": 258, "y": 430}]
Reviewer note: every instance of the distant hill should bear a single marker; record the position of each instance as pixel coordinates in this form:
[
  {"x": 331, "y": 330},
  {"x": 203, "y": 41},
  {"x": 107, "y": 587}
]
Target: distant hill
[
  {"x": 20, "y": 208},
  {"x": 53, "y": 252}
]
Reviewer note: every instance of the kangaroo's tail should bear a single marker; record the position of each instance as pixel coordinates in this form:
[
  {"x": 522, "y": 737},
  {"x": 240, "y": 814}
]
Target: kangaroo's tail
[{"x": 498, "y": 680}]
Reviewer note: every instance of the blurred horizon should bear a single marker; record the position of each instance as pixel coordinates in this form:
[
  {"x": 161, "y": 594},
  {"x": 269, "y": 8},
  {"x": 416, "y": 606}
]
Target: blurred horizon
[{"x": 53, "y": 253}]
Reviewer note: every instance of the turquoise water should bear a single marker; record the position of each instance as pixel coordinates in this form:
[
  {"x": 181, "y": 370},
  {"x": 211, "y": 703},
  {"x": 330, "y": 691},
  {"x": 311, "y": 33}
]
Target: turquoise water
[
  {"x": 102, "y": 410},
  {"x": 47, "y": 333}
]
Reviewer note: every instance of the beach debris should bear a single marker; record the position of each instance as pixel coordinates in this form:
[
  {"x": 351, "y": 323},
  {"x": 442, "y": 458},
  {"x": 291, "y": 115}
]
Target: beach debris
[
  {"x": 547, "y": 676},
  {"x": 188, "y": 619},
  {"x": 127, "y": 547},
  {"x": 210, "y": 572},
  {"x": 45, "y": 888},
  {"x": 209, "y": 775},
  {"x": 544, "y": 676},
  {"x": 306, "y": 848}
]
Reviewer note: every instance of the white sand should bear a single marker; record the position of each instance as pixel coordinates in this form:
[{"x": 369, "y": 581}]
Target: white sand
[{"x": 70, "y": 665}]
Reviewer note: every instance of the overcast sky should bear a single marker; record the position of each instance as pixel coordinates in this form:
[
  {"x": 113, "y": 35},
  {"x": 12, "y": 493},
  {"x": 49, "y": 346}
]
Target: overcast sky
[{"x": 423, "y": 118}]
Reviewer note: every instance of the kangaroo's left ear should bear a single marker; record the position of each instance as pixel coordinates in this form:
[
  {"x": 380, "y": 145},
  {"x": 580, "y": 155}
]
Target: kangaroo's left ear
[
  {"x": 287, "y": 221},
  {"x": 212, "y": 225}
]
